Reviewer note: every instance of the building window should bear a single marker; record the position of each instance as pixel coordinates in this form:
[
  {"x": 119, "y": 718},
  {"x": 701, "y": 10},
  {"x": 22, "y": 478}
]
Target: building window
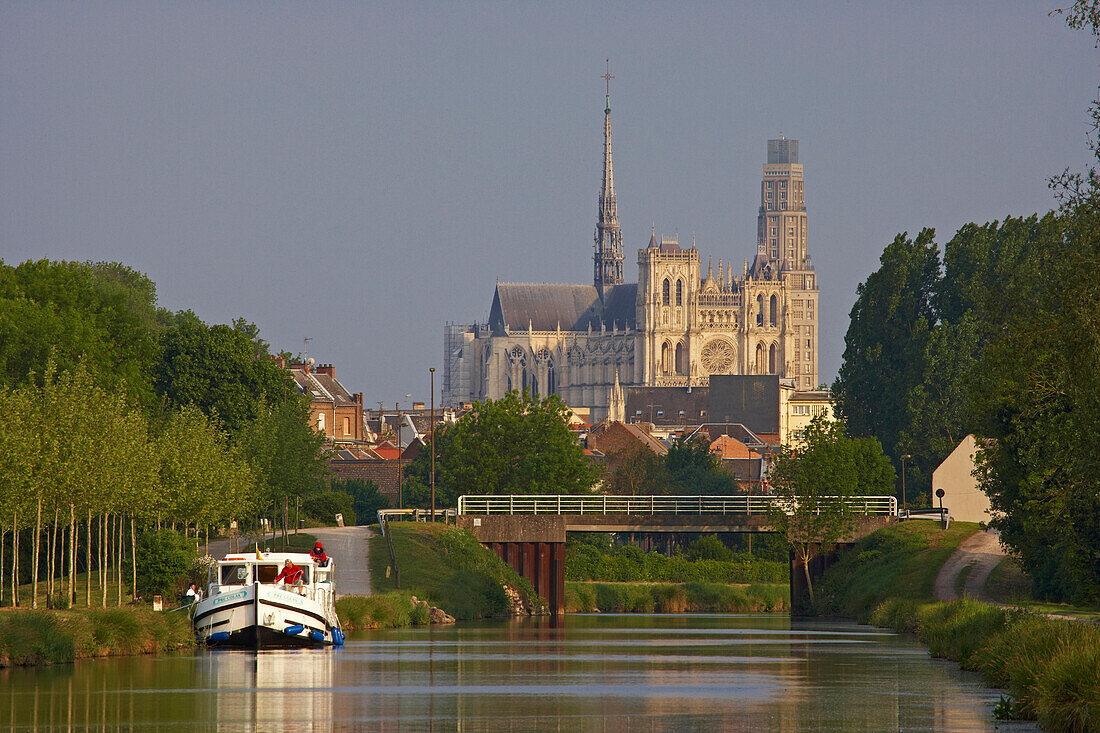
[
  {"x": 772, "y": 232},
  {"x": 320, "y": 422},
  {"x": 665, "y": 292},
  {"x": 759, "y": 310},
  {"x": 772, "y": 311},
  {"x": 660, "y": 413},
  {"x": 679, "y": 292},
  {"x": 637, "y": 413},
  {"x": 809, "y": 343},
  {"x": 680, "y": 359},
  {"x": 771, "y": 359},
  {"x": 347, "y": 426}
]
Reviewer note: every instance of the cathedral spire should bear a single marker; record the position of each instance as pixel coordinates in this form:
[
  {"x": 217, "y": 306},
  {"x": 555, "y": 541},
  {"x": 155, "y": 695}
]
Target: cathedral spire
[{"x": 608, "y": 259}]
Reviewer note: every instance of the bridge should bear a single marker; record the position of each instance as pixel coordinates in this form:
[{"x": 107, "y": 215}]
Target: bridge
[{"x": 528, "y": 531}]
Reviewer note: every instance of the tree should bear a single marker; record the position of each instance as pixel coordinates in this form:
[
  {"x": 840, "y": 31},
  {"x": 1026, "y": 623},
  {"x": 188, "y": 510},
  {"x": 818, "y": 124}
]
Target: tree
[
  {"x": 695, "y": 470},
  {"x": 515, "y": 445},
  {"x": 216, "y": 368},
  {"x": 366, "y": 499},
  {"x": 811, "y": 482},
  {"x": 636, "y": 471},
  {"x": 886, "y": 343}
]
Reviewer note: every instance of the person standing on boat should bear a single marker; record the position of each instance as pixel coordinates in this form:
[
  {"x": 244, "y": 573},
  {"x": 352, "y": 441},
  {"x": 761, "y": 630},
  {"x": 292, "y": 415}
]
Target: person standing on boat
[
  {"x": 318, "y": 555},
  {"x": 192, "y": 595},
  {"x": 291, "y": 574}
]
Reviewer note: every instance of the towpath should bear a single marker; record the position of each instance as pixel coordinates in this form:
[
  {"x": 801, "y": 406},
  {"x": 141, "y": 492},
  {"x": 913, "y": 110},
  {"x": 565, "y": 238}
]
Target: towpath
[
  {"x": 349, "y": 548},
  {"x": 980, "y": 553}
]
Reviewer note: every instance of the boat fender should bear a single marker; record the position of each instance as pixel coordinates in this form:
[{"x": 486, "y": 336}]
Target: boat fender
[
  {"x": 337, "y": 637},
  {"x": 293, "y": 630},
  {"x": 317, "y": 636},
  {"x": 217, "y": 637}
]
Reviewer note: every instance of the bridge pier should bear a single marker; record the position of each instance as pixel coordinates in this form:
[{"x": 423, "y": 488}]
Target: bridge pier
[{"x": 533, "y": 546}]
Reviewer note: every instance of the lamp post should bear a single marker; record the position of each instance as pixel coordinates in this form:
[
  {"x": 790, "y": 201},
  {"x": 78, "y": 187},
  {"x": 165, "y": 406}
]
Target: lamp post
[
  {"x": 431, "y": 426},
  {"x": 904, "y": 458}
]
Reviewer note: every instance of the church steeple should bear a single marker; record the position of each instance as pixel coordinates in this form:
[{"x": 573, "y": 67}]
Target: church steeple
[{"x": 608, "y": 259}]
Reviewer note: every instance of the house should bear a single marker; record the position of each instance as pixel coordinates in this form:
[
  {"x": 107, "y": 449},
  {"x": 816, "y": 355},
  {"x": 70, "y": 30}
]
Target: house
[
  {"x": 335, "y": 412},
  {"x": 963, "y": 496}
]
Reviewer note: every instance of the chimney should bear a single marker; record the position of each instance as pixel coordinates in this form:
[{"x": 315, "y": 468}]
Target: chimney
[
  {"x": 328, "y": 369},
  {"x": 418, "y": 405}
]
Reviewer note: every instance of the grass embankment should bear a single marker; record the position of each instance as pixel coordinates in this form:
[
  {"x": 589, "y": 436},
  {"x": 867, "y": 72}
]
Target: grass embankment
[
  {"x": 392, "y": 610},
  {"x": 448, "y": 568},
  {"x": 628, "y": 563},
  {"x": 591, "y": 597},
  {"x": 1050, "y": 666},
  {"x": 56, "y": 637}
]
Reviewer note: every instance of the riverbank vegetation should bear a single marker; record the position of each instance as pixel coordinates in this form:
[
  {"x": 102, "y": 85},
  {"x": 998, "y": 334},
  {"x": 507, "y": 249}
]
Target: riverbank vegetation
[
  {"x": 705, "y": 559},
  {"x": 595, "y": 597},
  {"x": 392, "y": 610},
  {"x": 1050, "y": 666},
  {"x": 121, "y": 417},
  {"x": 450, "y": 569},
  {"x": 57, "y": 637}
]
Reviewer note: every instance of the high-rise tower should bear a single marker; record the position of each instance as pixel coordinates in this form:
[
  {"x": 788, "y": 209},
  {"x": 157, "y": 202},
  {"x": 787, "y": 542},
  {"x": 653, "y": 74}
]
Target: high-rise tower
[
  {"x": 781, "y": 238},
  {"x": 608, "y": 259}
]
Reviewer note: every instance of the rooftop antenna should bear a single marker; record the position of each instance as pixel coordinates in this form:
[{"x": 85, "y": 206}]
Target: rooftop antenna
[{"x": 305, "y": 349}]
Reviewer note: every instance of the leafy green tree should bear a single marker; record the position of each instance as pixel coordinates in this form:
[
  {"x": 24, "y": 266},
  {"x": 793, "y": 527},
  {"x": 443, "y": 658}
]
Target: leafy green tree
[
  {"x": 216, "y": 368},
  {"x": 285, "y": 451},
  {"x": 886, "y": 343},
  {"x": 637, "y": 471},
  {"x": 695, "y": 470},
  {"x": 809, "y": 480},
  {"x": 515, "y": 445},
  {"x": 163, "y": 559},
  {"x": 68, "y": 311},
  {"x": 366, "y": 499}
]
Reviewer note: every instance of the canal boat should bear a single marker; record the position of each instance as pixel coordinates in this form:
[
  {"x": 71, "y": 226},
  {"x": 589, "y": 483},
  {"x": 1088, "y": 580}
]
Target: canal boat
[{"x": 245, "y": 606}]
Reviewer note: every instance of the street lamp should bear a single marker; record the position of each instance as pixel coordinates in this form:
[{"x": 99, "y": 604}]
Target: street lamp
[
  {"x": 904, "y": 458},
  {"x": 431, "y": 426}
]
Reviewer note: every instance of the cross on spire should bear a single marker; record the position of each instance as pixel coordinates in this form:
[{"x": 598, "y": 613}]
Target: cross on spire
[{"x": 607, "y": 77}]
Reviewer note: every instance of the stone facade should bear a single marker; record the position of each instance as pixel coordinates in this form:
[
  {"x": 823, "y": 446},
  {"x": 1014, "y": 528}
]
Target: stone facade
[{"x": 675, "y": 328}]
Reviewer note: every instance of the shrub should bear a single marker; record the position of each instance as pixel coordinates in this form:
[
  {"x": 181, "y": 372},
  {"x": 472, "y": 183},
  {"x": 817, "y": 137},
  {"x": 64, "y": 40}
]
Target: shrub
[
  {"x": 163, "y": 560},
  {"x": 366, "y": 500},
  {"x": 324, "y": 506}
]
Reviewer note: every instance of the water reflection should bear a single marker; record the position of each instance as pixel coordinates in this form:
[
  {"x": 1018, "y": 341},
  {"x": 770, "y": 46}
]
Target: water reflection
[{"x": 610, "y": 673}]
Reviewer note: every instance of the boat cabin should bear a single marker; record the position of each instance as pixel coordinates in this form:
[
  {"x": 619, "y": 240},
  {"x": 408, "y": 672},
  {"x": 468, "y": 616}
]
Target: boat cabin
[{"x": 245, "y": 568}]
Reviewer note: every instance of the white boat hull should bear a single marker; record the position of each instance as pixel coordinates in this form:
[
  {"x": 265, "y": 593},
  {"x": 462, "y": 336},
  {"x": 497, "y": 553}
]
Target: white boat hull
[{"x": 262, "y": 615}]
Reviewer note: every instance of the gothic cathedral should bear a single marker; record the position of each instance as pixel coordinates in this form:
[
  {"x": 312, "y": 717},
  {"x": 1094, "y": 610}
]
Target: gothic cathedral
[{"x": 675, "y": 327}]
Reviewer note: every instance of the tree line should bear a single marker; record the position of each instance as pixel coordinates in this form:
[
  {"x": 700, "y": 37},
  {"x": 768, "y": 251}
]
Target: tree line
[
  {"x": 997, "y": 334},
  {"x": 121, "y": 416}
]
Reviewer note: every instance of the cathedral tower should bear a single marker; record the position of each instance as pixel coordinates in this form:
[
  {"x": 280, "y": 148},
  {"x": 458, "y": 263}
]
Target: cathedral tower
[
  {"x": 608, "y": 259},
  {"x": 781, "y": 242}
]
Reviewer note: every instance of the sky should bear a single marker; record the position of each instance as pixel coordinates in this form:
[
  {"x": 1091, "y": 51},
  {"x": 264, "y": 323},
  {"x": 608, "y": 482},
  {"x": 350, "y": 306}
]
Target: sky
[{"x": 360, "y": 173}]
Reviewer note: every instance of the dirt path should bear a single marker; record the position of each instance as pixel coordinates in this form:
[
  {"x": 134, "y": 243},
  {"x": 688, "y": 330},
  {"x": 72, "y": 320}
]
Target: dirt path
[
  {"x": 981, "y": 553},
  {"x": 349, "y": 548}
]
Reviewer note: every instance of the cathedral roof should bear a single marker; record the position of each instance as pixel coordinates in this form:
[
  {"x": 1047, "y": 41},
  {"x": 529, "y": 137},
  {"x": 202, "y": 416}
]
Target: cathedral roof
[{"x": 549, "y": 306}]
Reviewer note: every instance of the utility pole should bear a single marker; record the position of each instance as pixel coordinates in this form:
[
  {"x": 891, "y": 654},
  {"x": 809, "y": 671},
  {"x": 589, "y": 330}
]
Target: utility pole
[
  {"x": 431, "y": 427},
  {"x": 904, "y": 458},
  {"x": 400, "y": 473}
]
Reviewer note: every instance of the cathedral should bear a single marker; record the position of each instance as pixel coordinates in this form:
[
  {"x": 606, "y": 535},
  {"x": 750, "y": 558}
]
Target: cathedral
[{"x": 675, "y": 327}]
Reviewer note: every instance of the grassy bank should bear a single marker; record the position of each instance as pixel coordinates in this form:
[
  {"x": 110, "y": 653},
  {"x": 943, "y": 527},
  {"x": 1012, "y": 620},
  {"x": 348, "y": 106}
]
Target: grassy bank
[
  {"x": 900, "y": 561},
  {"x": 56, "y": 637},
  {"x": 582, "y": 597},
  {"x": 628, "y": 563},
  {"x": 391, "y": 610},
  {"x": 1051, "y": 667},
  {"x": 448, "y": 568}
]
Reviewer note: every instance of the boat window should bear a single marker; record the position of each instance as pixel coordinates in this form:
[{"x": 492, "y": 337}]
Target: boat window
[
  {"x": 234, "y": 574},
  {"x": 305, "y": 573},
  {"x": 266, "y": 573}
]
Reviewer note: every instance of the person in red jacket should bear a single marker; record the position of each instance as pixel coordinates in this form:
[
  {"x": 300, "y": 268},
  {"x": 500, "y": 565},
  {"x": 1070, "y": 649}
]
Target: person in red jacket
[
  {"x": 318, "y": 555},
  {"x": 291, "y": 574}
]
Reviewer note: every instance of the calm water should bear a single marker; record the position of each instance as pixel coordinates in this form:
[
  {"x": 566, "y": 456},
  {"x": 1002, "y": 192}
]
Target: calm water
[{"x": 603, "y": 673}]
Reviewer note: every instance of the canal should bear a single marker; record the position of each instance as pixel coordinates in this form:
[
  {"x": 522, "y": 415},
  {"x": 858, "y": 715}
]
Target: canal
[{"x": 635, "y": 673}]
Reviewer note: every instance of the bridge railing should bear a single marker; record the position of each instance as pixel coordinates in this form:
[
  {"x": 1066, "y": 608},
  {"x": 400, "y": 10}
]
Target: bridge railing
[{"x": 605, "y": 504}]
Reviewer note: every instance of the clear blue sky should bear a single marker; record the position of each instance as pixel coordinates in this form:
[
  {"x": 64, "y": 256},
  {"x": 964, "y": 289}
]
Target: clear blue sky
[{"x": 360, "y": 173}]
